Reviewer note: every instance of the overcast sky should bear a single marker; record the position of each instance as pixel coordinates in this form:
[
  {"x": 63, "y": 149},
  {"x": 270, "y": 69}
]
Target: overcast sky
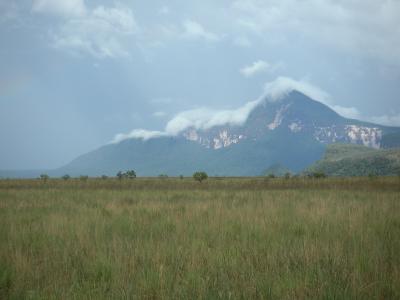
[{"x": 75, "y": 73}]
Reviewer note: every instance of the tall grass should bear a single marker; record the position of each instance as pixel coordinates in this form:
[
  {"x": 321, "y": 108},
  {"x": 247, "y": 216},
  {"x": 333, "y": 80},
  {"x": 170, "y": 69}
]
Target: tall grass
[{"x": 179, "y": 239}]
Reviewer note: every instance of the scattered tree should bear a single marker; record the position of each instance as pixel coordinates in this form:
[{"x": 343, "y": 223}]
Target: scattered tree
[
  {"x": 104, "y": 177},
  {"x": 181, "y": 176},
  {"x": 130, "y": 174},
  {"x": 66, "y": 177},
  {"x": 44, "y": 177},
  {"x": 200, "y": 176},
  {"x": 163, "y": 176},
  {"x": 287, "y": 175}
]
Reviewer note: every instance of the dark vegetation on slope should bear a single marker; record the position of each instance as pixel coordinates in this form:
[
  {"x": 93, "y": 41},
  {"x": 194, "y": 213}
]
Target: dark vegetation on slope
[{"x": 356, "y": 160}]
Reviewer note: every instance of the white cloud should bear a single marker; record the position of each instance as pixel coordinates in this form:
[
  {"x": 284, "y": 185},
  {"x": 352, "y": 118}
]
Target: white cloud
[
  {"x": 202, "y": 118},
  {"x": 120, "y": 18},
  {"x": 206, "y": 118},
  {"x": 67, "y": 8},
  {"x": 194, "y": 30},
  {"x": 347, "y": 112},
  {"x": 282, "y": 86},
  {"x": 138, "y": 134},
  {"x": 258, "y": 67},
  {"x": 363, "y": 27},
  {"x": 388, "y": 120},
  {"x": 100, "y": 32}
]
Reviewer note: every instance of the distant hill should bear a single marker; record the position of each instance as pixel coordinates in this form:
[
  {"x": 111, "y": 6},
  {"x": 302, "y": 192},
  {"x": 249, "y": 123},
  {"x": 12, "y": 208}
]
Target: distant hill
[{"x": 356, "y": 160}]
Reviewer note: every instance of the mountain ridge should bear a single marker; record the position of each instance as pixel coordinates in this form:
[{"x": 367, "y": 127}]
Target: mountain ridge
[{"x": 293, "y": 131}]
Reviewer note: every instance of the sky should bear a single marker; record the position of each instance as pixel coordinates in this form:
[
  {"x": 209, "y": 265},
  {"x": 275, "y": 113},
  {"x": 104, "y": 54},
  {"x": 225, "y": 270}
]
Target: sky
[{"x": 78, "y": 74}]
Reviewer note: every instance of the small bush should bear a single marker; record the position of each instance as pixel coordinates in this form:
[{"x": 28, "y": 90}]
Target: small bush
[
  {"x": 130, "y": 174},
  {"x": 44, "y": 177},
  {"x": 200, "y": 176},
  {"x": 317, "y": 175},
  {"x": 66, "y": 177},
  {"x": 104, "y": 177}
]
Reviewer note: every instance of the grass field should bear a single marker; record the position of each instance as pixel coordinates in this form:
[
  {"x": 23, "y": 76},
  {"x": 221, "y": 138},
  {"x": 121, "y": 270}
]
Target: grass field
[{"x": 227, "y": 238}]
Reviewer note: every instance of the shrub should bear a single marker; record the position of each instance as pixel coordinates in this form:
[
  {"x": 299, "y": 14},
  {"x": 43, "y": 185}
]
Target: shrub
[
  {"x": 66, "y": 177},
  {"x": 317, "y": 175},
  {"x": 104, "y": 177},
  {"x": 163, "y": 176},
  {"x": 200, "y": 176},
  {"x": 181, "y": 176},
  {"x": 131, "y": 174},
  {"x": 44, "y": 177},
  {"x": 287, "y": 175}
]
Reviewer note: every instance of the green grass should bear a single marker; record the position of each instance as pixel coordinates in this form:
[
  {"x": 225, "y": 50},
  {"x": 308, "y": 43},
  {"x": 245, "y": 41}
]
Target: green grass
[{"x": 232, "y": 238}]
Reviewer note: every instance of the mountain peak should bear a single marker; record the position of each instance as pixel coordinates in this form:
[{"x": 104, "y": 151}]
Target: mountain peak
[{"x": 293, "y": 114}]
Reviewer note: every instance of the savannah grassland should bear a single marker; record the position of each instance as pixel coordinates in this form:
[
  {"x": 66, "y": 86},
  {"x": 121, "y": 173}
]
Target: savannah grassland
[{"x": 243, "y": 238}]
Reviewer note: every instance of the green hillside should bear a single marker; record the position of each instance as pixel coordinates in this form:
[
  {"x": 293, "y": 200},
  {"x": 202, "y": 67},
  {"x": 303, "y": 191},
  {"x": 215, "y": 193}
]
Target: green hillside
[{"x": 355, "y": 160}]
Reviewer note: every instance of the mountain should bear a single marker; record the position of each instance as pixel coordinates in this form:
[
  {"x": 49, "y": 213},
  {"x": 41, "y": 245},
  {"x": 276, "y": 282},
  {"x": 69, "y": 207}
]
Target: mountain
[
  {"x": 357, "y": 160},
  {"x": 292, "y": 132}
]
